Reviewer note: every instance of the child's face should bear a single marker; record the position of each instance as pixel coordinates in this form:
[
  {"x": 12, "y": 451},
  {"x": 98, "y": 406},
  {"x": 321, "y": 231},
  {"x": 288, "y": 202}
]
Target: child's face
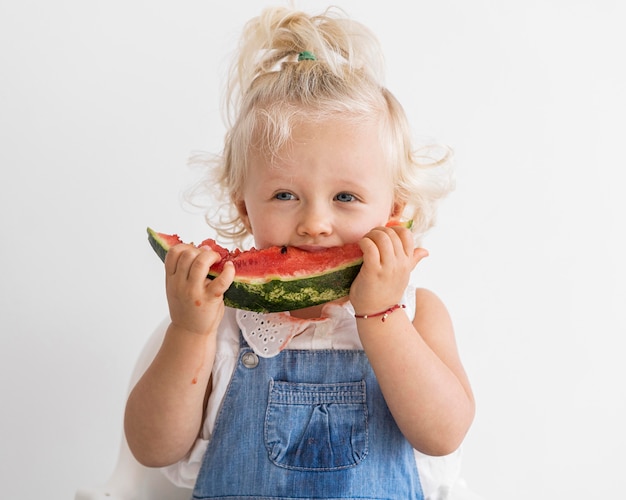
[{"x": 329, "y": 187}]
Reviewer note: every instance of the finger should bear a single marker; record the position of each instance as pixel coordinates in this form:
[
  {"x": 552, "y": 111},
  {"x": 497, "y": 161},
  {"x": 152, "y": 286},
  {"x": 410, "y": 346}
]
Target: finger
[
  {"x": 419, "y": 254},
  {"x": 188, "y": 263},
  {"x": 172, "y": 257},
  {"x": 223, "y": 281},
  {"x": 406, "y": 238},
  {"x": 201, "y": 264},
  {"x": 387, "y": 242},
  {"x": 371, "y": 253}
]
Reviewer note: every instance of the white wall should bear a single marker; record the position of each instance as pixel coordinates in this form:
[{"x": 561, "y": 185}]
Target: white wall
[{"x": 101, "y": 104}]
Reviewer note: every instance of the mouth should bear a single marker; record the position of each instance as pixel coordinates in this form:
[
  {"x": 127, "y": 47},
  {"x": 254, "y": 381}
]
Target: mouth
[{"x": 312, "y": 248}]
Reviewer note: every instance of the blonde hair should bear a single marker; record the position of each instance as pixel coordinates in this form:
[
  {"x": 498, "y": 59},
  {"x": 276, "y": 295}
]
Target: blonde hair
[{"x": 271, "y": 89}]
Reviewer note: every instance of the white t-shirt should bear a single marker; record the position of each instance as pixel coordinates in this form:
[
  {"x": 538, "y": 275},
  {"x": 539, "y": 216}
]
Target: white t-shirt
[{"x": 335, "y": 330}]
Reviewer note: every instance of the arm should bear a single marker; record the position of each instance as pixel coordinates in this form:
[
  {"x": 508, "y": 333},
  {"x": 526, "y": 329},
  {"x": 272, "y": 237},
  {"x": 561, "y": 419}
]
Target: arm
[
  {"x": 164, "y": 411},
  {"x": 417, "y": 364}
]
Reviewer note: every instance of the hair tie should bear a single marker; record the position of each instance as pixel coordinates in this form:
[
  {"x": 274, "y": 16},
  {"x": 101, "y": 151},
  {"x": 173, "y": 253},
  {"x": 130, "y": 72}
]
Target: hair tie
[{"x": 306, "y": 56}]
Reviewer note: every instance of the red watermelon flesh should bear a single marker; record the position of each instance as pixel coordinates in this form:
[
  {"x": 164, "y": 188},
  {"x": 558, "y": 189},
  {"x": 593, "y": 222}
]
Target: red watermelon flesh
[
  {"x": 273, "y": 263},
  {"x": 283, "y": 263},
  {"x": 278, "y": 278}
]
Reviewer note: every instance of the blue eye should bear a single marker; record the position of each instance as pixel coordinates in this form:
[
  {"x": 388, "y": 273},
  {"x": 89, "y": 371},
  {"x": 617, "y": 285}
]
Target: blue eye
[
  {"x": 345, "y": 197},
  {"x": 284, "y": 196}
]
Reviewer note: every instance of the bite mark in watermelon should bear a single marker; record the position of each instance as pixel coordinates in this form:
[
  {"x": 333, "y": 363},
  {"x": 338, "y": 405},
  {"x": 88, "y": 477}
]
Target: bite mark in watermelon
[{"x": 278, "y": 279}]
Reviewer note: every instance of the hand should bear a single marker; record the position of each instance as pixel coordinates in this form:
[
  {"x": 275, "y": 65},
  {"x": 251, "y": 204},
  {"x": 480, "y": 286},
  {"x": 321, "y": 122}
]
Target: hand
[
  {"x": 196, "y": 303},
  {"x": 389, "y": 256}
]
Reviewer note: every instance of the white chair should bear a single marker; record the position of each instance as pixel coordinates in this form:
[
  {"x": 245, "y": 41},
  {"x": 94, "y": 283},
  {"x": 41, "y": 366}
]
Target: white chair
[{"x": 131, "y": 480}]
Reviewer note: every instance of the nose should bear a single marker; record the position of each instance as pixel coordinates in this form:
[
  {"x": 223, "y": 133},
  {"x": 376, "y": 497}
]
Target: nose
[{"x": 314, "y": 221}]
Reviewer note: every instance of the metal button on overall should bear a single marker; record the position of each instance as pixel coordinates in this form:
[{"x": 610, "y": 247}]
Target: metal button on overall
[{"x": 250, "y": 360}]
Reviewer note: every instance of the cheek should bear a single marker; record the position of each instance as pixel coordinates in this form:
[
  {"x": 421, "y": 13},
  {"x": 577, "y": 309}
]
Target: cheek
[
  {"x": 355, "y": 232},
  {"x": 254, "y": 226},
  {"x": 267, "y": 231},
  {"x": 378, "y": 217}
]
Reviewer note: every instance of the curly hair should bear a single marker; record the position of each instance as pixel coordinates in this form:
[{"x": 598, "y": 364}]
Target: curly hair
[{"x": 271, "y": 89}]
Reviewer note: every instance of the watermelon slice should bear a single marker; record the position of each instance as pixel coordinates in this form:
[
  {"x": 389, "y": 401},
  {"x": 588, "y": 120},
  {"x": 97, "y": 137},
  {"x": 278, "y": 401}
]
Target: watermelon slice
[{"x": 278, "y": 279}]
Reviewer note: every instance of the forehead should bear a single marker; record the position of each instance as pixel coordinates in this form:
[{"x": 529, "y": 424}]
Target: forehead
[{"x": 342, "y": 140}]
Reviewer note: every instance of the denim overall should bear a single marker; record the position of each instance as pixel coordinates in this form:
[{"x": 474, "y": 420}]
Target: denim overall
[{"x": 306, "y": 424}]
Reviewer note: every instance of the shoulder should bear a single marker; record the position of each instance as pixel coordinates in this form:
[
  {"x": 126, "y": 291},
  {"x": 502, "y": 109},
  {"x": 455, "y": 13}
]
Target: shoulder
[
  {"x": 428, "y": 303},
  {"x": 432, "y": 319},
  {"x": 421, "y": 303},
  {"x": 433, "y": 324}
]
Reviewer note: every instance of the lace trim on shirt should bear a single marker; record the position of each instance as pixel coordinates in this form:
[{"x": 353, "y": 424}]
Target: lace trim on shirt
[{"x": 269, "y": 333}]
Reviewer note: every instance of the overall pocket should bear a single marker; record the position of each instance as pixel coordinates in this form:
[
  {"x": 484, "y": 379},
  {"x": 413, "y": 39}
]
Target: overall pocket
[{"x": 316, "y": 427}]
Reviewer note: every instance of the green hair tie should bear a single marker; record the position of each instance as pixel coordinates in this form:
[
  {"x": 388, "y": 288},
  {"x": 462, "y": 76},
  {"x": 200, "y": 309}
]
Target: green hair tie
[{"x": 306, "y": 56}]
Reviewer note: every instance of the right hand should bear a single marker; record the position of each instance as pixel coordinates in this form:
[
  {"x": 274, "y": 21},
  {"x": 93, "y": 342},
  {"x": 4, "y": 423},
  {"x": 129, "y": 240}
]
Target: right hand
[{"x": 196, "y": 303}]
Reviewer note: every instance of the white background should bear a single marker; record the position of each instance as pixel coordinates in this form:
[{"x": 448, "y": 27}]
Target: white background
[{"x": 102, "y": 102}]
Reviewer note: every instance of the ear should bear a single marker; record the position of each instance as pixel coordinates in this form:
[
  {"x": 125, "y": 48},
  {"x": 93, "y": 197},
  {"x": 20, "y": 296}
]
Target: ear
[
  {"x": 242, "y": 210},
  {"x": 396, "y": 210}
]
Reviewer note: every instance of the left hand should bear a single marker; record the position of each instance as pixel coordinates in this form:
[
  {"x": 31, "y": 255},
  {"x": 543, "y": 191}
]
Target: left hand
[{"x": 389, "y": 257}]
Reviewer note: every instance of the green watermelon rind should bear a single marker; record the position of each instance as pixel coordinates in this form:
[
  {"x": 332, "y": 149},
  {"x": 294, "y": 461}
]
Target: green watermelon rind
[
  {"x": 158, "y": 244},
  {"x": 279, "y": 295},
  {"x": 287, "y": 295}
]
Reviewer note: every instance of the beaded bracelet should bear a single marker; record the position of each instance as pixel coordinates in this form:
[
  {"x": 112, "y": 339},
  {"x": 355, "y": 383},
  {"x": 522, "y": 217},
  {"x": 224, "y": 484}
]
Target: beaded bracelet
[{"x": 384, "y": 313}]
